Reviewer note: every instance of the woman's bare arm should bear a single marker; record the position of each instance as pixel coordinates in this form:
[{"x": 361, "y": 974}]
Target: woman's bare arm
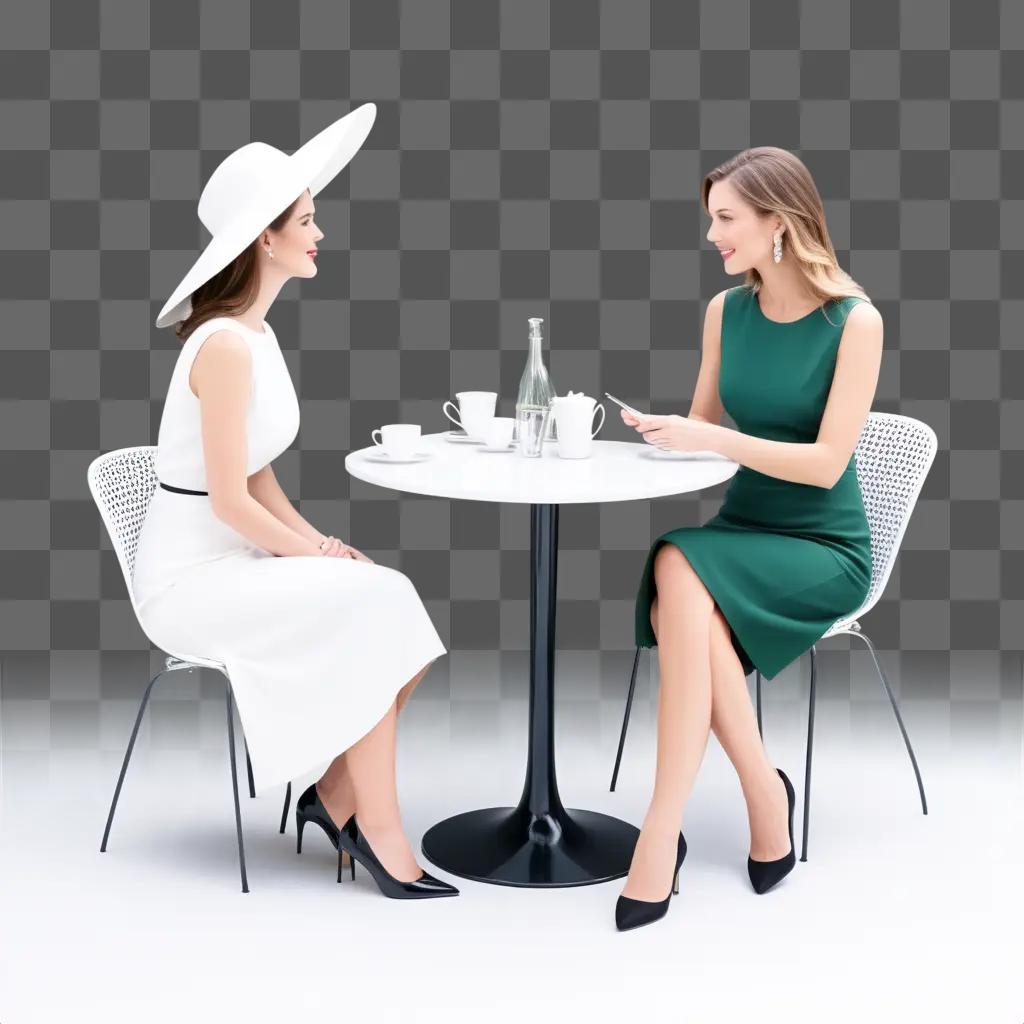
[
  {"x": 222, "y": 375},
  {"x": 819, "y": 463},
  {"x": 706, "y": 405},
  {"x": 265, "y": 488}
]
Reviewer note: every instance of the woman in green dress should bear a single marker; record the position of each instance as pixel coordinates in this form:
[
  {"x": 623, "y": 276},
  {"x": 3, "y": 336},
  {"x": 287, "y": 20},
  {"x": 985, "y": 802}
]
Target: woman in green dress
[{"x": 793, "y": 355}]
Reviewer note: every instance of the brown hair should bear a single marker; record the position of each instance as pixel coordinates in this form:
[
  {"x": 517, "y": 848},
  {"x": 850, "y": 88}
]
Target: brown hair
[
  {"x": 232, "y": 290},
  {"x": 774, "y": 181}
]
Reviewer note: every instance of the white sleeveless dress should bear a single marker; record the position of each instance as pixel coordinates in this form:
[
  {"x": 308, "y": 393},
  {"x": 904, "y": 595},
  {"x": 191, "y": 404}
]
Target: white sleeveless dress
[{"x": 316, "y": 648}]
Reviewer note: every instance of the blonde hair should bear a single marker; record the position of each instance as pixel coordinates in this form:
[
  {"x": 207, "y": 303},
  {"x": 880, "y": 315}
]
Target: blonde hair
[{"x": 774, "y": 181}]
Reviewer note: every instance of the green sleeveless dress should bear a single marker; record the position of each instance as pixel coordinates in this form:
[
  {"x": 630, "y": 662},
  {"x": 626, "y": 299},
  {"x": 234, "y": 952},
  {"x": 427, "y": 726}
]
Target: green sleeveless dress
[{"x": 782, "y": 560}]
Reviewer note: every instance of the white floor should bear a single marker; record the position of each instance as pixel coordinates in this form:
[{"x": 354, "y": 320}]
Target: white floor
[{"x": 895, "y": 916}]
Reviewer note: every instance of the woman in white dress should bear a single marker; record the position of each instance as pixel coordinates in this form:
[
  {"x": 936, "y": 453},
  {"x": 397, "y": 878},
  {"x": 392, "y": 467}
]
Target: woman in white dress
[{"x": 322, "y": 645}]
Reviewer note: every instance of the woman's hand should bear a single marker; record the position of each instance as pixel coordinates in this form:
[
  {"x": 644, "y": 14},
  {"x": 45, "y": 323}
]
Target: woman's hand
[
  {"x": 331, "y": 547},
  {"x": 671, "y": 433},
  {"x": 358, "y": 555}
]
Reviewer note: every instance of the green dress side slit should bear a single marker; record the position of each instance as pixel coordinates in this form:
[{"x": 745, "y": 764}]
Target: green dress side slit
[{"x": 782, "y": 560}]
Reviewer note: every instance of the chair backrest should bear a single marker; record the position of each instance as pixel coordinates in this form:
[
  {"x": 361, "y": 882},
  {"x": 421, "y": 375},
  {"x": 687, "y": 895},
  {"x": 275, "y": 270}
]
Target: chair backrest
[
  {"x": 122, "y": 483},
  {"x": 893, "y": 457}
]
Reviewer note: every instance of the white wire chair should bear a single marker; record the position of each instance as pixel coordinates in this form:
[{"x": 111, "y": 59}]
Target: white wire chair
[
  {"x": 122, "y": 483},
  {"x": 893, "y": 457}
]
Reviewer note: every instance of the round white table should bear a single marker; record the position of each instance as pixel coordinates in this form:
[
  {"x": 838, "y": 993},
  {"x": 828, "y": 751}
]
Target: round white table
[{"x": 539, "y": 843}]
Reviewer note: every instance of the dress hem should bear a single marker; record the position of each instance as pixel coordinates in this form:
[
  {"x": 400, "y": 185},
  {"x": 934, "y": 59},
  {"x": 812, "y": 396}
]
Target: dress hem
[
  {"x": 645, "y": 631},
  {"x": 338, "y": 746}
]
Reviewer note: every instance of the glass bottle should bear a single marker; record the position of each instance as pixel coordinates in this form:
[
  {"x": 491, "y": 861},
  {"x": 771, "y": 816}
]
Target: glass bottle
[
  {"x": 534, "y": 417},
  {"x": 533, "y": 403}
]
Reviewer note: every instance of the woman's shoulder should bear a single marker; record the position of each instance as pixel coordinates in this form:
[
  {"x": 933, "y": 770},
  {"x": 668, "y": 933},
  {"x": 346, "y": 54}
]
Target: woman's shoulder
[
  {"x": 733, "y": 295},
  {"x": 227, "y": 325},
  {"x": 220, "y": 348},
  {"x": 858, "y": 307},
  {"x": 858, "y": 322}
]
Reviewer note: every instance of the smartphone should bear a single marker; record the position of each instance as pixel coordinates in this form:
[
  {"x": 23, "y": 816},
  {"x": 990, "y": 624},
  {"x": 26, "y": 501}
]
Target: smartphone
[{"x": 628, "y": 408}]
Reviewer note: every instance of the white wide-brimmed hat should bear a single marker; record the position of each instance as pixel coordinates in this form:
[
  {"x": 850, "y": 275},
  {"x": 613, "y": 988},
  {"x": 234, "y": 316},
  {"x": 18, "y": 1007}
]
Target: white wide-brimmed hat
[{"x": 255, "y": 183}]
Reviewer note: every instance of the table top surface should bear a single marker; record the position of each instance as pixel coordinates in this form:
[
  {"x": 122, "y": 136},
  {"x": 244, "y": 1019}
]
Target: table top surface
[{"x": 615, "y": 471}]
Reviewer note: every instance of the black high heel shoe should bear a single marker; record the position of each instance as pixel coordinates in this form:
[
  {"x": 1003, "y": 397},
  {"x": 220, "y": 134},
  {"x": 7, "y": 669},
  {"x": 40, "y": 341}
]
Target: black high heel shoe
[
  {"x": 765, "y": 873},
  {"x": 309, "y": 807},
  {"x": 630, "y": 913},
  {"x": 424, "y": 887}
]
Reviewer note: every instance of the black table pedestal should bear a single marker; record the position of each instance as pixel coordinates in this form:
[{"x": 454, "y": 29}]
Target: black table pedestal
[{"x": 538, "y": 843}]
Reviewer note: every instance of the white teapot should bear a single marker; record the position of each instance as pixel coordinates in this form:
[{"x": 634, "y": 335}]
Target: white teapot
[{"x": 574, "y": 422}]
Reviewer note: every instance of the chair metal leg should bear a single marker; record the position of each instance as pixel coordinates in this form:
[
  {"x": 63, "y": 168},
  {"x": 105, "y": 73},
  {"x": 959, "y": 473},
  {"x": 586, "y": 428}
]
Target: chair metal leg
[
  {"x": 810, "y": 744},
  {"x": 234, "y": 788},
  {"x": 127, "y": 757},
  {"x": 899, "y": 719},
  {"x": 625, "y": 719},
  {"x": 757, "y": 681},
  {"x": 287, "y": 803},
  {"x": 248, "y": 770}
]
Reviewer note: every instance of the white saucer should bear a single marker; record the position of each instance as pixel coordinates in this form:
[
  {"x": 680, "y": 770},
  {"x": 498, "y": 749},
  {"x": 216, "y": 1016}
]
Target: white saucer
[
  {"x": 672, "y": 456},
  {"x": 384, "y": 457},
  {"x": 460, "y": 437}
]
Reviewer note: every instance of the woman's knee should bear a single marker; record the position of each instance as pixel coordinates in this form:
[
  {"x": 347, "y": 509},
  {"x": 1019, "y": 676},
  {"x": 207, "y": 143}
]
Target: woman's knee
[
  {"x": 672, "y": 570},
  {"x": 667, "y": 560},
  {"x": 399, "y": 581},
  {"x": 671, "y": 566}
]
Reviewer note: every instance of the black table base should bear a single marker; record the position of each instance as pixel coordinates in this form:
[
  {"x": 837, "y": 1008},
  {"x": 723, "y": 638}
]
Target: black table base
[
  {"x": 508, "y": 846},
  {"x": 538, "y": 843}
]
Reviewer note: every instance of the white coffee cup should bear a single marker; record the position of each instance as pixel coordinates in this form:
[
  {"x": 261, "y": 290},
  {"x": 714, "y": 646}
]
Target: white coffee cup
[
  {"x": 574, "y": 419},
  {"x": 475, "y": 410},
  {"x": 497, "y": 432},
  {"x": 398, "y": 440}
]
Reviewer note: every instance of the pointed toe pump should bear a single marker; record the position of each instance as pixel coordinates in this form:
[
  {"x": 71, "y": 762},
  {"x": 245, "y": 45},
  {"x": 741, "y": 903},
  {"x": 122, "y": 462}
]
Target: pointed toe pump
[
  {"x": 766, "y": 873},
  {"x": 630, "y": 913},
  {"x": 354, "y": 843},
  {"x": 310, "y": 807}
]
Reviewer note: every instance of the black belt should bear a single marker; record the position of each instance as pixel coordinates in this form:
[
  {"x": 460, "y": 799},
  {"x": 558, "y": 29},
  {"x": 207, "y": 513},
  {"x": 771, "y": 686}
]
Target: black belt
[{"x": 180, "y": 490}]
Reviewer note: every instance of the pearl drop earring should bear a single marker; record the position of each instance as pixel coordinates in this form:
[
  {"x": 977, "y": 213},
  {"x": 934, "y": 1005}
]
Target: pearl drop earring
[
  {"x": 270, "y": 253},
  {"x": 777, "y": 254}
]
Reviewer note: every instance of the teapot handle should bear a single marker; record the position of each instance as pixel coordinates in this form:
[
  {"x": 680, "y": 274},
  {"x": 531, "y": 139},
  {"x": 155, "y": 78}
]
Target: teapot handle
[{"x": 600, "y": 406}]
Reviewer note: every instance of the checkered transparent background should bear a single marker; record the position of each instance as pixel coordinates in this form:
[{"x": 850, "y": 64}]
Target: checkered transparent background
[{"x": 528, "y": 159}]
